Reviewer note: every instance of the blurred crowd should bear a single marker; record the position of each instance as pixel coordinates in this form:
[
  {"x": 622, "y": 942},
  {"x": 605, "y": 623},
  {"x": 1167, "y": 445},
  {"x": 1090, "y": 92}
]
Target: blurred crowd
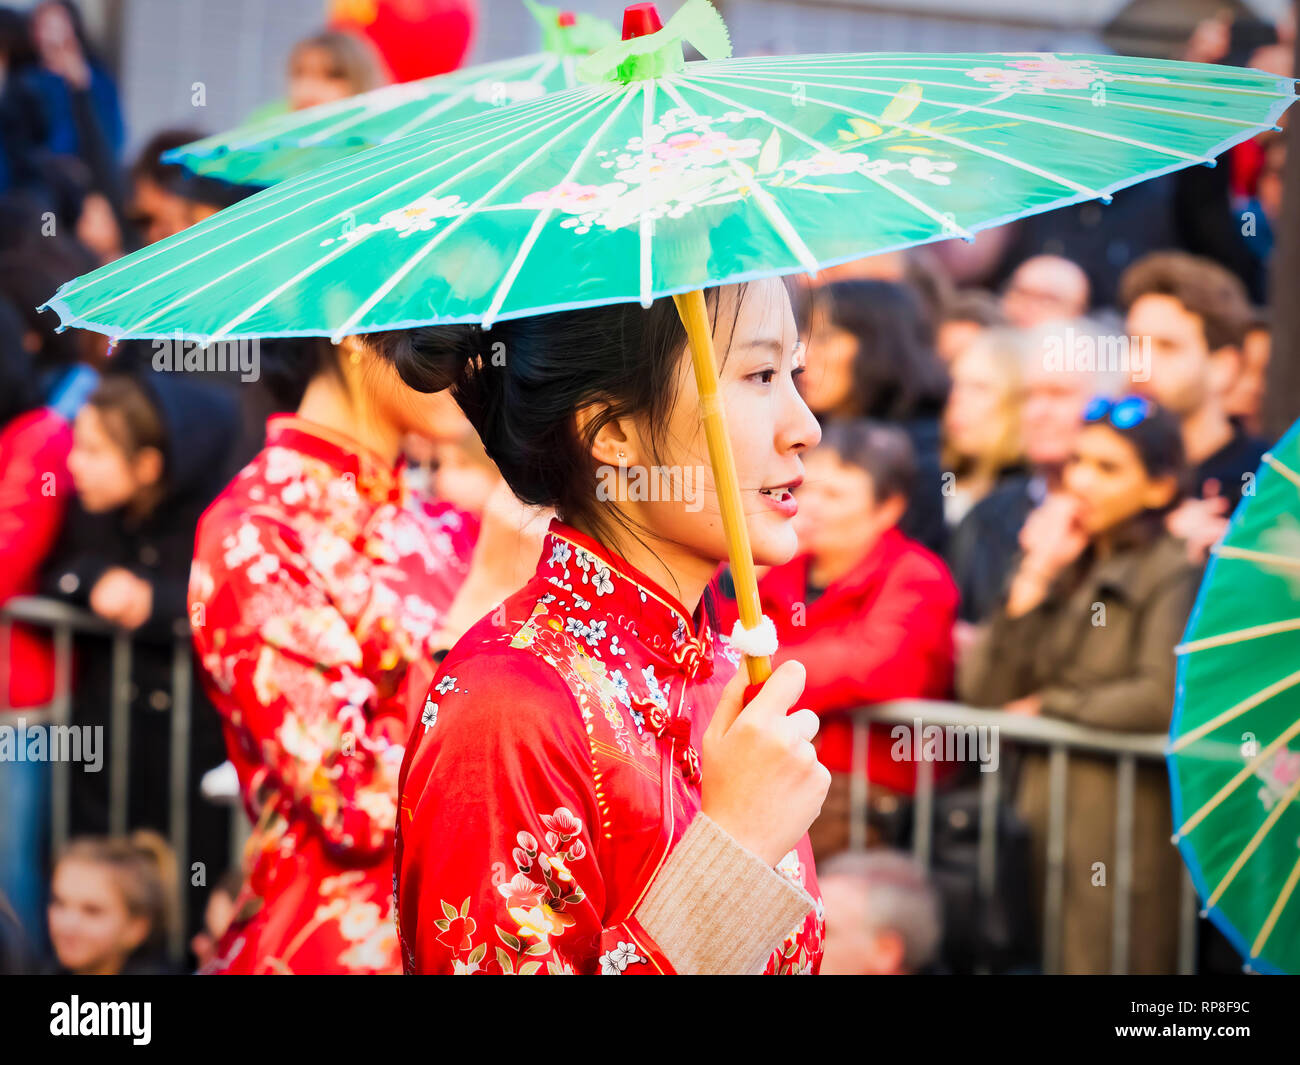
[{"x": 1062, "y": 414}]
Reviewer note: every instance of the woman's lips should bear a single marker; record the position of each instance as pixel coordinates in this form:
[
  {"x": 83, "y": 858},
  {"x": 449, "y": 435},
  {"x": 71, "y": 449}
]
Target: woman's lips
[{"x": 781, "y": 500}]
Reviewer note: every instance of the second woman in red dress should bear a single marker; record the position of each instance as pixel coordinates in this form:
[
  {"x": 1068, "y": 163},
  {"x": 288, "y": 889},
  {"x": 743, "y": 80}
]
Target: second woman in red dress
[{"x": 318, "y": 590}]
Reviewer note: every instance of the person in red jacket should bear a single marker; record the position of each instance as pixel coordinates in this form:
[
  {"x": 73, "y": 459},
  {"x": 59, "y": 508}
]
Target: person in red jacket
[
  {"x": 867, "y": 611},
  {"x": 34, "y": 490}
]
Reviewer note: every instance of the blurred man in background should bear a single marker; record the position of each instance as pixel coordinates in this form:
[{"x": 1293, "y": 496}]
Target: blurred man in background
[
  {"x": 883, "y": 916},
  {"x": 1194, "y": 315},
  {"x": 1045, "y": 288}
]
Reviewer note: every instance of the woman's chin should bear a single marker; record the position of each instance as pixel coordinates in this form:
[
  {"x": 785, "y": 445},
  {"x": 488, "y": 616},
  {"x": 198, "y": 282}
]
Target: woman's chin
[{"x": 775, "y": 544}]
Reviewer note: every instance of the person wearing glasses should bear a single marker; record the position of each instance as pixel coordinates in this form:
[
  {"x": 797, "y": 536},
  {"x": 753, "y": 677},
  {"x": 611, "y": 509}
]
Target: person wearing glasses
[{"x": 1085, "y": 633}]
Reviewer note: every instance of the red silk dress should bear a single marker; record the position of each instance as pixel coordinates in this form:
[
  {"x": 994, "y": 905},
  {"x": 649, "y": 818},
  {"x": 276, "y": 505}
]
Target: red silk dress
[
  {"x": 318, "y": 584},
  {"x": 554, "y": 768}
]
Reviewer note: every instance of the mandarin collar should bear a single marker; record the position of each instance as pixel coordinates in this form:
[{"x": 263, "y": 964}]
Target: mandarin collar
[
  {"x": 598, "y": 576},
  {"x": 376, "y": 481}
]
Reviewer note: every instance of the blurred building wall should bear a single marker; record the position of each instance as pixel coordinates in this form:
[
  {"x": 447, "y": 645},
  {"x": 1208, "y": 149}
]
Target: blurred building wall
[{"x": 237, "y": 50}]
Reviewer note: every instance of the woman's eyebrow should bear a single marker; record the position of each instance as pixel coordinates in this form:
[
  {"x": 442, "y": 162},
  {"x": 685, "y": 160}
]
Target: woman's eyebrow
[{"x": 772, "y": 344}]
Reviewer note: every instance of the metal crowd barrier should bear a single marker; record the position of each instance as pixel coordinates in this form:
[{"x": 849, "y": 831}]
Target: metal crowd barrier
[
  {"x": 64, "y": 622},
  {"x": 1061, "y": 739}
]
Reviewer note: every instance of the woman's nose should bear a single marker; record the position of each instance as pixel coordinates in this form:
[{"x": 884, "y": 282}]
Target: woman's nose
[{"x": 797, "y": 427}]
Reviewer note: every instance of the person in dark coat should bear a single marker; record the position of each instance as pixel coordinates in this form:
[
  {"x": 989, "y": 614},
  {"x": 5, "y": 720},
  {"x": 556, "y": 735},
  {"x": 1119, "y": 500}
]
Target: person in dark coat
[
  {"x": 1086, "y": 633},
  {"x": 871, "y": 355},
  {"x": 147, "y": 459},
  {"x": 79, "y": 99}
]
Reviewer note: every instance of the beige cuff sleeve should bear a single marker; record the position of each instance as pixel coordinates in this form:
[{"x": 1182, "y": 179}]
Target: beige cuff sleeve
[{"x": 717, "y": 908}]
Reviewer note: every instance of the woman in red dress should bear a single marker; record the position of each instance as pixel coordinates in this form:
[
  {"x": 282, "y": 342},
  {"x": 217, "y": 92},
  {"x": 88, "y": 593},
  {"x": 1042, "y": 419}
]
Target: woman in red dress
[
  {"x": 586, "y": 792},
  {"x": 316, "y": 598}
]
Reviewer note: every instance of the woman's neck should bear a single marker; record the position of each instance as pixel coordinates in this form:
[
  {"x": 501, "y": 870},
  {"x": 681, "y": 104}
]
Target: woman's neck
[
  {"x": 679, "y": 571},
  {"x": 329, "y": 403}
]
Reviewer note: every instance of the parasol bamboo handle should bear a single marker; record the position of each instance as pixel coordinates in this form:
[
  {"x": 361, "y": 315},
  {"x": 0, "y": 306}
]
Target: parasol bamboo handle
[{"x": 695, "y": 317}]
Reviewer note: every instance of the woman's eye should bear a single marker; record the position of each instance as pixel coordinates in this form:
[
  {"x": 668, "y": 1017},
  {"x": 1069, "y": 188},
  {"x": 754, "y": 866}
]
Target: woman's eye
[{"x": 763, "y": 376}]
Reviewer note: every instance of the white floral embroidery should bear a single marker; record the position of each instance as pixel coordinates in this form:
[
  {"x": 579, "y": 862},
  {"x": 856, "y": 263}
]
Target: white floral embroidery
[
  {"x": 616, "y": 961},
  {"x": 657, "y": 696},
  {"x": 620, "y": 689},
  {"x": 430, "y": 716},
  {"x": 595, "y": 633},
  {"x": 445, "y": 685},
  {"x": 560, "y": 554},
  {"x": 602, "y": 582}
]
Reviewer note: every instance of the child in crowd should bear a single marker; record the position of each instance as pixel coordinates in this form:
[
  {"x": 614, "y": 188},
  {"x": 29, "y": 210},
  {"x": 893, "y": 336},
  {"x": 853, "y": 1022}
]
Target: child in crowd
[
  {"x": 112, "y": 905},
  {"x": 217, "y": 915},
  {"x": 145, "y": 462}
]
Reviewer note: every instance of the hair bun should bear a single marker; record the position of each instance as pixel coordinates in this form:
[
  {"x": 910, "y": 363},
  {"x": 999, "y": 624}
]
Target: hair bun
[{"x": 430, "y": 358}]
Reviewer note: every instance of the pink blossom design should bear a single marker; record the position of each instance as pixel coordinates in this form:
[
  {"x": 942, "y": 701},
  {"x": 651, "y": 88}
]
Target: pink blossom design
[
  {"x": 569, "y": 196},
  {"x": 520, "y": 892},
  {"x": 563, "y": 823}
]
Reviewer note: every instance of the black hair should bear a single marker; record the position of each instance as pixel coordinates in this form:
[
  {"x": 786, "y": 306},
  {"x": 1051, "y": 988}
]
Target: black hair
[
  {"x": 149, "y": 166},
  {"x": 288, "y": 365},
  {"x": 522, "y": 382},
  {"x": 15, "y": 40},
  {"x": 32, "y": 267},
  {"x": 884, "y": 451},
  {"x": 1158, "y": 441},
  {"x": 896, "y": 374},
  {"x": 19, "y": 390}
]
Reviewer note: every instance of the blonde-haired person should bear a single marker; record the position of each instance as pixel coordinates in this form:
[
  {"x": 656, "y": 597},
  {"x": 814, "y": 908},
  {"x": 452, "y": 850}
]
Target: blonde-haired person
[
  {"x": 332, "y": 65},
  {"x": 1065, "y": 366},
  {"x": 981, "y": 423},
  {"x": 113, "y": 905}
]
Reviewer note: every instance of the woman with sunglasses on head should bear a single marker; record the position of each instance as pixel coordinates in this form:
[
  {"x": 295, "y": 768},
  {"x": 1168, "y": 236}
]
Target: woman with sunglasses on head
[
  {"x": 588, "y": 790},
  {"x": 1086, "y": 634}
]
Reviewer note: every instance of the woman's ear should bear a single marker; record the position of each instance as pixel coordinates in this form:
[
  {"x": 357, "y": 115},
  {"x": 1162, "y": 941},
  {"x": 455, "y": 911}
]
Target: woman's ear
[
  {"x": 148, "y": 466},
  {"x": 615, "y": 442},
  {"x": 1160, "y": 492}
]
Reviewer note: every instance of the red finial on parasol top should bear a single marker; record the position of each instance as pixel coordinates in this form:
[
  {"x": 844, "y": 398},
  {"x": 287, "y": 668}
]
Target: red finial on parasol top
[{"x": 640, "y": 19}]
